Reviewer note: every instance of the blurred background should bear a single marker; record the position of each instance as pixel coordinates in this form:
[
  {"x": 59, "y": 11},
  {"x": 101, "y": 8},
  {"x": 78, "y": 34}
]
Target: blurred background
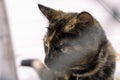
[{"x": 28, "y": 27}]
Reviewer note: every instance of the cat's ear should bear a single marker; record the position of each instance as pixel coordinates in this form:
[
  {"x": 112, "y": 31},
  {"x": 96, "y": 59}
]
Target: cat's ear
[
  {"x": 48, "y": 12},
  {"x": 85, "y": 18}
]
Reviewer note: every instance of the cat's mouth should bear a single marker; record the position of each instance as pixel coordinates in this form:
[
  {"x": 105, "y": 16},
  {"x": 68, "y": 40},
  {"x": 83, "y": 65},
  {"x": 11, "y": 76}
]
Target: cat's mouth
[
  {"x": 64, "y": 66},
  {"x": 60, "y": 68},
  {"x": 57, "y": 66}
]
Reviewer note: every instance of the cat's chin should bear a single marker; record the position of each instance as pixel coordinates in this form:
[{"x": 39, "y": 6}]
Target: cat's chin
[{"x": 59, "y": 68}]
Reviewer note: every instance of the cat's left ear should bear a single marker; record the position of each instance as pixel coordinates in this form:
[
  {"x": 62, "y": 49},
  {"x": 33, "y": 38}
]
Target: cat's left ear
[
  {"x": 48, "y": 12},
  {"x": 85, "y": 18}
]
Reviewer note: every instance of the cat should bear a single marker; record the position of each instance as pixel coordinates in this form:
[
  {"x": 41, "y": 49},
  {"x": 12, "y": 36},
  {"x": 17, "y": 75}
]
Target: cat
[{"x": 76, "y": 48}]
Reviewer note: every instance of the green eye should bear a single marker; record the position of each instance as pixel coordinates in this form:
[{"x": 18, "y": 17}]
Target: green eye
[
  {"x": 65, "y": 49},
  {"x": 46, "y": 44},
  {"x": 69, "y": 50}
]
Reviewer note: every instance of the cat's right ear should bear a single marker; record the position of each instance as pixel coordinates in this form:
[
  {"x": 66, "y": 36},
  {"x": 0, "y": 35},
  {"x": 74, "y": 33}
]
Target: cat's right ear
[{"x": 48, "y": 12}]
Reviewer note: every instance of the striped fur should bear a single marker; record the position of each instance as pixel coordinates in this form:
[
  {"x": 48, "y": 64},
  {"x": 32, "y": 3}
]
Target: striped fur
[{"x": 76, "y": 48}]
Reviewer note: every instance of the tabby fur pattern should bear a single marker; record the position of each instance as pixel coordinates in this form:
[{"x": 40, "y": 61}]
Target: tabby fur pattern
[{"x": 76, "y": 48}]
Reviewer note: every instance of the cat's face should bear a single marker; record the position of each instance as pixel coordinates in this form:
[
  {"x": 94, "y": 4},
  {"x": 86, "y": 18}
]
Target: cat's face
[{"x": 72, "y": 41}]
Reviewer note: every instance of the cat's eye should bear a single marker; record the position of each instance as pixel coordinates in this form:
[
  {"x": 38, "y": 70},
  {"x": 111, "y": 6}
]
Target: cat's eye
[
  {"x": 65, "y": 49},
  {"x": 46, "y": 44},
  {"x": 46, "y": 47}
]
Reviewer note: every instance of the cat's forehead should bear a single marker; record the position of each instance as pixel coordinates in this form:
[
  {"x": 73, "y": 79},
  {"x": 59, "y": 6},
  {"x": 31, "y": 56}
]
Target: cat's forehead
[
  {"x": 67, "y": 16},
  {"x": 62, "y": 21}
]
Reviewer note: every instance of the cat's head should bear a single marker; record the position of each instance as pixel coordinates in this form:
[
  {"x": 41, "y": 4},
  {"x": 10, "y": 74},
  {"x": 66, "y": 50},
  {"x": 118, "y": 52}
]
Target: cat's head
[{"x": 72, "y": 41}]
